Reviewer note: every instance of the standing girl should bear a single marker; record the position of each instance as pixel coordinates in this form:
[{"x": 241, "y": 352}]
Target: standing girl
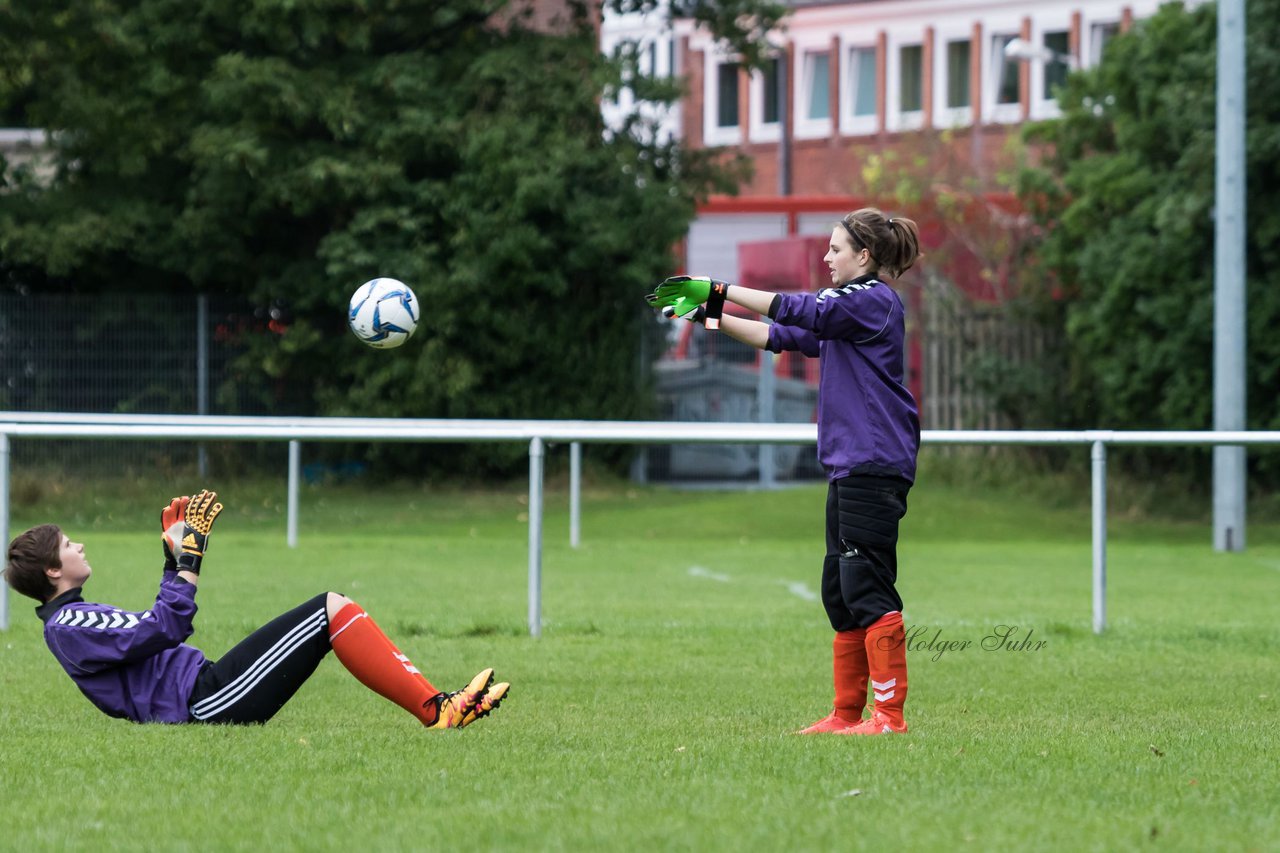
[{"x": 868, "y": 439}]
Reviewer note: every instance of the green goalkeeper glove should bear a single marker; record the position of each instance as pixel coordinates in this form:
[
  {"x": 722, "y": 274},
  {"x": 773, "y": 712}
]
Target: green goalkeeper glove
[
  {"x": 686, "y": 309},
  {"x": 695, "y": 289},
  {"x": 188, "y": 536},
  {"x": 681, "y": 291}
]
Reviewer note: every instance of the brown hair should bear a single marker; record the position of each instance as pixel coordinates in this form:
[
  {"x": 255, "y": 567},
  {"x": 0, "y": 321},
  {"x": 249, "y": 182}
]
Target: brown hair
[
  {"x": 894, "y": 242},
  {"x": 29, "y": 555}
]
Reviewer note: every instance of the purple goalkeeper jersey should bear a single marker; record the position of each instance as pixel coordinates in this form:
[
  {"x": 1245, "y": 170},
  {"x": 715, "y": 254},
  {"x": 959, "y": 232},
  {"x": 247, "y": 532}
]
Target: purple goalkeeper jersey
[
  {"x": 131, "y": 665},
  {"x": 868, "y": 422}
]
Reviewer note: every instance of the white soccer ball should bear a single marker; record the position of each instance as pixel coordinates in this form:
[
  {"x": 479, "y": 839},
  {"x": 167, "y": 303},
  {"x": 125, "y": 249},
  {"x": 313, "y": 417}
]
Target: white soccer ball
[{"x": 384, "y": 313}]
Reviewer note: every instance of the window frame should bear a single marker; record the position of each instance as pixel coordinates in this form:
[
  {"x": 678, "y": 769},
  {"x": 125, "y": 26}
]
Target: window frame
[
  {"x": 713, "y": 134},
  {"x": 896, "y": 118},
  {"x": 945, "y": 115},
  {"x": 1041, "y": 106},
  {"x": 804, "y": 126},
  {"x": 851, "y": 124},
  {"x": 1090, "y": 30},
  {"x": 992, "y": 111},
  {"x": 1043, "y": 89},
  {"x": 761, "y": 130}
]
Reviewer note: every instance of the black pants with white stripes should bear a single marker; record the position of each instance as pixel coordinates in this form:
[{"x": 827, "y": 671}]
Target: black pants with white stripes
[
  {"x": 860, "y": 572},
  {"x": 254, "y": 680}
]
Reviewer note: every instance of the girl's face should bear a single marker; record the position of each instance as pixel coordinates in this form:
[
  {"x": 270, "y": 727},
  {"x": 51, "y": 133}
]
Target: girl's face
[
  {"x": 75, "y": 568},
  {"x": 845, "y": 262}
]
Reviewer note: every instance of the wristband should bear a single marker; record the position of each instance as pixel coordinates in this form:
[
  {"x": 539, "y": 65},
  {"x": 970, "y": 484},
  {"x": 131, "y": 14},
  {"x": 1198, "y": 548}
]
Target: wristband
[{"x": 715, "y": 304}]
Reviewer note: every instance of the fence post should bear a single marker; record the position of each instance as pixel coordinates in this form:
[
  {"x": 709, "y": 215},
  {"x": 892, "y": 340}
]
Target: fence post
[
  {"x": 575, "y": 492},
  {"x": 291, "y": 512},
  {"x": 536, "y": 453},
  {"x": 766, "y": 397},
  {"x": 1099, "y": 457},
  {"x": 202, "y": 373},
  {"x": 4, "y": 524}
]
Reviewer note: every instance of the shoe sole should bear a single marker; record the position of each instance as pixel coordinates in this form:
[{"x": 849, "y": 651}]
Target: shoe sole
[{"x": 479, "y": 690}]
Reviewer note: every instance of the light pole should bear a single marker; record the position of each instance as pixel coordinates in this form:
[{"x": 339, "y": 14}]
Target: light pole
[{"x": 1229, "y": 278}]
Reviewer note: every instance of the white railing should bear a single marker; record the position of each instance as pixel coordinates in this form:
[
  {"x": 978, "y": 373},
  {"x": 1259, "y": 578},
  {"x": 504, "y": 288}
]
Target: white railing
[{"x": 538, "y": 434}]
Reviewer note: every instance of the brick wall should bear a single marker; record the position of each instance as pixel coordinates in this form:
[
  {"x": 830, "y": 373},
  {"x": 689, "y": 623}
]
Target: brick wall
[{"x": 832, "y": 165}]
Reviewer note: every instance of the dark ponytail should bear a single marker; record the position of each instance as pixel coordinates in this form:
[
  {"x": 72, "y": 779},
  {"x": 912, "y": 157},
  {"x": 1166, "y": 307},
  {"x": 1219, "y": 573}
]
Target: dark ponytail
[{"x": 894, "y": 242}]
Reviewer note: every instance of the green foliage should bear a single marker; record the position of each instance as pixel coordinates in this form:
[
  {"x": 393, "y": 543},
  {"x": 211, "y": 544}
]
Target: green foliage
[
  {"x": 1127, "y": 191},
  {"x": 287, "y": 152},
  {"x": 979, "y": 272},
  {"x": 743, "y": 24}
]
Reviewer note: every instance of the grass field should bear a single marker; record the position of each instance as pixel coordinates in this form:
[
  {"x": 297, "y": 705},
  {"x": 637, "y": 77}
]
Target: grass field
[{"x": 655, "y": 711}]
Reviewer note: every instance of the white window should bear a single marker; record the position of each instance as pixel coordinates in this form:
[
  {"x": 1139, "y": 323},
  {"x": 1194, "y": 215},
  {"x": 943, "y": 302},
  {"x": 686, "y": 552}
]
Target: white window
[
  {"x": 861, "y": 90},
  {"x": 1003, "y": 90},
  {"x": 766, "y": 103},
  {"x": 814, "y": 102},
  {"x": 1057, "y": 46},
  {"x": 1099, "y": 35},
  {"x": 727, "y": 95},
  {"x": 904, "y": 89},
  {"x": 721, "y": 123},
  {"x": 911, "y": 78},
  {"x": 818, "y": 86},
  {"x": 952, "y": 75},
  {"x": 959, "y": 60}
]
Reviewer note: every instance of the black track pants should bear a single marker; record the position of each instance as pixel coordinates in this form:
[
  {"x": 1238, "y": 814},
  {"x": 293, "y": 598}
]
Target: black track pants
[
  {"x": 861, "y": 566},
  {"x": 250, "y": 683}
]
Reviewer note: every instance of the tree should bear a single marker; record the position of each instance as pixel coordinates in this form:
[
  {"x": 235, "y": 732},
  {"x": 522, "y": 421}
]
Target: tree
[
  {"x": 1126, "y": 193},
  {"x": 289, "y": 151},
  {"x": 993, "y": 347}
]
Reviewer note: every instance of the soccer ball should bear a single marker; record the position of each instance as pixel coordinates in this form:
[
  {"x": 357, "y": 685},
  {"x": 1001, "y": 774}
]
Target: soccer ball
[{"x": 384, "y": 313}]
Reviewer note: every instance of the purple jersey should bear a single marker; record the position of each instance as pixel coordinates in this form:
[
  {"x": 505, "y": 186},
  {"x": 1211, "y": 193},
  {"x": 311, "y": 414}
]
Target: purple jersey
[
  {"x": 868, "y": 422},
  {"x": 131, "y": 665}
]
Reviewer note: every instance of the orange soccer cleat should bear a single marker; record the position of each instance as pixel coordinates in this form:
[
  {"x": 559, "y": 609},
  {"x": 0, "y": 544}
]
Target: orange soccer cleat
[
  {"x": 487, "y": 704},
  {"x": 879, "y": 724},
  {"x": 453, "y": 708},
  {"x": 833, "y": 723}
]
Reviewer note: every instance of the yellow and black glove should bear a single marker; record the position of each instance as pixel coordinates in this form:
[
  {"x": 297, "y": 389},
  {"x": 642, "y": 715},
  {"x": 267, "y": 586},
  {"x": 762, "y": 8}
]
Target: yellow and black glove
[{"x": 187, "y": 535}]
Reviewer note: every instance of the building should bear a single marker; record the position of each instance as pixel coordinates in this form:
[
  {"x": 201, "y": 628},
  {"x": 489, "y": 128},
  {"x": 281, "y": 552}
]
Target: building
[
  {"x": 942, "y": 85},
  {"x": 858, "y": 76},
  {"x": 855, "y": 79}
]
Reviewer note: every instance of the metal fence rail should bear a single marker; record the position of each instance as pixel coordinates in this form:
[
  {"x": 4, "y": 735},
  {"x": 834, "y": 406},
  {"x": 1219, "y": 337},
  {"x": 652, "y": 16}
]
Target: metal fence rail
[{"x": 538, "y": 433}]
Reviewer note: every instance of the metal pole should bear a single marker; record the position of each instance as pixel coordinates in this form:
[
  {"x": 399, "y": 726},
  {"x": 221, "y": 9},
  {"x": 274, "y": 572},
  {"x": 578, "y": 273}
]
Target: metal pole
[
  {"x": 766, "y": 395},
  {"x": 575, "y": 493},
  {"x": 4, "y": 525},
  {"x": 536, "y": 453},
  {"x": 784, "y": 120},
  {"x": 1229, "y": 279},
  {"x": 291, "y": 514},
  {"x": 202, "y": 373},
  {"x": 1099, "y": 456}
]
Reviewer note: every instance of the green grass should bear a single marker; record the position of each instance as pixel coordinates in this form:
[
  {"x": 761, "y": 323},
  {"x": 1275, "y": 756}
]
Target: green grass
[{"x": 655, "y": 711}]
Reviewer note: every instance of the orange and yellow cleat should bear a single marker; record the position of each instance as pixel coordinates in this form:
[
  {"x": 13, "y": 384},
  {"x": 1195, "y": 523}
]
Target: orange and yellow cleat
[{"x": 453, "y": 708}]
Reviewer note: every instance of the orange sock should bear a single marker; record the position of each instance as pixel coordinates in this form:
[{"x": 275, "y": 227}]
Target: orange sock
[
  {"x": 373, "y": 659},
  {"x": 849, "y": 663},
  {"x": 887, "y": 657}
]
